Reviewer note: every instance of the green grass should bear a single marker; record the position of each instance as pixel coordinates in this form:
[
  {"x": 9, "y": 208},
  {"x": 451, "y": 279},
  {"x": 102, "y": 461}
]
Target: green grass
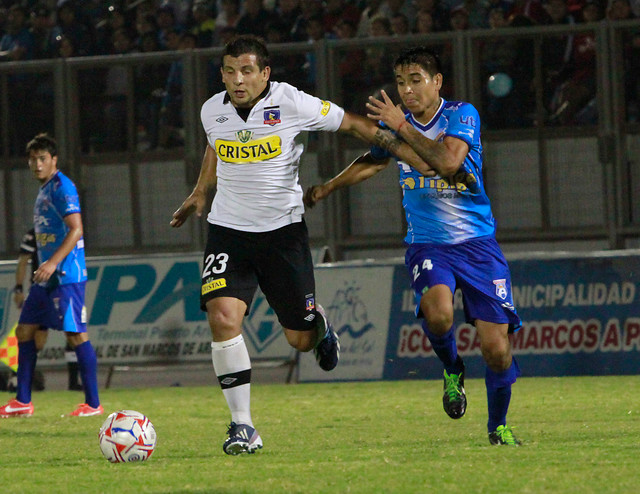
[{"x": 580, "y": 435}]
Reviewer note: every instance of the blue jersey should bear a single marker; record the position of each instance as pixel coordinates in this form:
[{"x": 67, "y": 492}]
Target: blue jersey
[
  {"x": 58, "y": 198},
  {"x": 448, "y": 211}
]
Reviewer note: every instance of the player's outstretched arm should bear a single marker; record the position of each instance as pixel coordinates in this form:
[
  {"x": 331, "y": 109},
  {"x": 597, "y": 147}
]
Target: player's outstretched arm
[
  {"x": 360, "y": 169},
  {"x": 196, "y": 200},
  {"x": 445, "y": 157},
  {"x": 368, "y": 131}
]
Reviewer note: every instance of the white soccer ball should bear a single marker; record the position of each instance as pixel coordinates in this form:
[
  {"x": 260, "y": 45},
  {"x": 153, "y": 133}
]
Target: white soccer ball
[{"x": 126, "y": 436}]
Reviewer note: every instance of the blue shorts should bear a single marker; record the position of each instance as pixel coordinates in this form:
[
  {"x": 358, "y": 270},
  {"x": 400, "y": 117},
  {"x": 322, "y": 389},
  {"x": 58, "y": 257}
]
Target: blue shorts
[
  {"x": 61, "y": 308},
  {"x": 477, "y": 267}
]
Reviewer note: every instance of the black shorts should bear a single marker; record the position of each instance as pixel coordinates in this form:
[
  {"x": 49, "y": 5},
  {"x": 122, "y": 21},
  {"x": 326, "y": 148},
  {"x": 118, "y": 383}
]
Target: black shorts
[{"x": 279, "y": 261}]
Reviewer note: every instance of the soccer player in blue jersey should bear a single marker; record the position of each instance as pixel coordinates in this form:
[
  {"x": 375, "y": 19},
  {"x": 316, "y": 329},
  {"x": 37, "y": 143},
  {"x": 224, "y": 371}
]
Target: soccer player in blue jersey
[
  {"x": 56, "y": 299},
  {"x": 451, "y": 231}
]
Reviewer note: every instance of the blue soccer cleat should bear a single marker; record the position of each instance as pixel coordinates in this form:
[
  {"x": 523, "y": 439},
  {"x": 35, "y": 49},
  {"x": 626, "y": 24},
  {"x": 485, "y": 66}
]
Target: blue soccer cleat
[
  {"x": 242, "y": 439},
  {"x": 328, "y": 350}
]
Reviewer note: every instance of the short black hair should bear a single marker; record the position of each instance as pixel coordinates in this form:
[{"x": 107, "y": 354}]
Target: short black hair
[
  {"x": 248, "y": 43},
  {"x": 43, "y": 142},
  {"x": 422, "y": 56}
]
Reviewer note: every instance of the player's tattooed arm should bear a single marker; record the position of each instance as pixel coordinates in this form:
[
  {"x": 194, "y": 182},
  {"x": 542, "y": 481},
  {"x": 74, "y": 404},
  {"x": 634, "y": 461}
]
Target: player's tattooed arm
[{"x": 389, "y": 141}]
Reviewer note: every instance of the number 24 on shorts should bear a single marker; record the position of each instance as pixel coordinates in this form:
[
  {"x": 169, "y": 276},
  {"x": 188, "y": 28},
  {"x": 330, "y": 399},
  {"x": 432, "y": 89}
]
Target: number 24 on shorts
[{"x": 426, "y": 264}]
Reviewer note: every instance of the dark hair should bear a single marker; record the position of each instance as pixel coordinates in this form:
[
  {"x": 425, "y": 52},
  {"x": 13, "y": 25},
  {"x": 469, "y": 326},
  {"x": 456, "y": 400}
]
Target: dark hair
[
  {"x": 422, "y": 56},
  {"x": 248, "y": 43},
  {"x": 43, "y": 142}
]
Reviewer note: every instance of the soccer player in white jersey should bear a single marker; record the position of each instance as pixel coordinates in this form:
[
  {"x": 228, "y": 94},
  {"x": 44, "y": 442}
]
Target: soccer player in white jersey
[
  {"x": 451, "y": 231},
  {"x": 257, "y": 235}
]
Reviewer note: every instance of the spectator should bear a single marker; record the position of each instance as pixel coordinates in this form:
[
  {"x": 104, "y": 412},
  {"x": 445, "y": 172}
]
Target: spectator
[
  {"x": 339, "y": 9},
  {"x": 400, "y": 25},
  {"x": 255, "y": 19},
  {"x": 308, "y": 10},
  {"x": 146, "y": 24},
  {"x": 227, "y": 17},
  {"x": 41, "y": 25},
  {"x": 116, "y": 88},
  {"x": 289, "y": 13},
  {"x": 16, "y": 46},
  {"x": 171, "y": 112},
  {"x": 459, "y": 18},
  {"x": 349, "y": 66},
  {"x": 439, "y": 13},
  {"x": 166, "y": 20},
  {"x": 68, "y": 24},
  {"x": 389, "y": 8},
  {"x": 371, "y": 10},
  {"x": 619, "y": 10},
  {"x": 424, "y": 22},
  {"x": 115, "y": 19},
  {"x": 204, "y": 24}
]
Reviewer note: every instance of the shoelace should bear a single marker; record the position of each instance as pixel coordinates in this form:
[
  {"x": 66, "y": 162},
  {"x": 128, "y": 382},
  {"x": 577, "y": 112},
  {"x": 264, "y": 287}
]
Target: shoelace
[
  {"x": 506, "y": 435},
  {"x": 453, "y": 385}
]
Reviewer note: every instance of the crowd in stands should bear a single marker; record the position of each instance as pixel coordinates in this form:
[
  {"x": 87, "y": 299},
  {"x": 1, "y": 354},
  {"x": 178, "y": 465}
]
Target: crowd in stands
[{"x": 42, "y": 29}]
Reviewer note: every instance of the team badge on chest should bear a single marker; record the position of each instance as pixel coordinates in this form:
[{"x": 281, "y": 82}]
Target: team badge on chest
[{"x": 272, "y": 116}]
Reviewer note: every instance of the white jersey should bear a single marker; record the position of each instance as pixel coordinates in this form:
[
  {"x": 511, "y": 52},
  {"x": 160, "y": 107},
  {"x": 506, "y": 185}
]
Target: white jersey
[{"x": 258, "y": 160}]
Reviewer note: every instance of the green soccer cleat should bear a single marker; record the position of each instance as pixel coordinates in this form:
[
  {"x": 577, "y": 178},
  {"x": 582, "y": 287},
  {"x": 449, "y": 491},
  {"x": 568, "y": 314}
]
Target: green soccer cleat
[
  {"x": 503, "y": 435},
  {"x": 454, "y": 399}
]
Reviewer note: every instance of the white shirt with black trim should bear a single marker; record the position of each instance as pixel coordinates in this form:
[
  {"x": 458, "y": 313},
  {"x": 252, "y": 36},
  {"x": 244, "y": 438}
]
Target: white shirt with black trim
[{"x": 258, "y": 160}]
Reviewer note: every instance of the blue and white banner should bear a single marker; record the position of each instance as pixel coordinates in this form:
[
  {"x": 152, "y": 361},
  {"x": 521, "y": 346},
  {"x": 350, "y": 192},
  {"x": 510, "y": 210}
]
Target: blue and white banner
[{"x": 581, "y": 316}]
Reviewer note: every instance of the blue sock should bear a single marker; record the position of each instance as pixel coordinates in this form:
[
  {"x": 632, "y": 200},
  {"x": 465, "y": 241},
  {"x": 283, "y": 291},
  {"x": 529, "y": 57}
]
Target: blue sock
[
  {"x": 499, "y": 394},
  {"x": 88, "y": 367},
  {"x": 27, "y": 357},
  {"x": 445, "y": 348}
]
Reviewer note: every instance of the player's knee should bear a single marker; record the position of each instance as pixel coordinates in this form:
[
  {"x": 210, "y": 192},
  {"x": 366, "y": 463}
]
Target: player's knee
[
  {"x": 498, "y": 359},
  {"x": 439, "y": 322}
]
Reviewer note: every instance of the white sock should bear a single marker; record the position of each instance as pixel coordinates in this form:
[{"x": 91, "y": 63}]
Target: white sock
[{"x": 232, "y": 365}]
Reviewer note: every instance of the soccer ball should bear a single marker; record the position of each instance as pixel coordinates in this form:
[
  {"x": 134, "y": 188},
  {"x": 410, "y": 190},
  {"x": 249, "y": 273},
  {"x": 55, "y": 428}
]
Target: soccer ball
[{"x": 126, "y": 436}]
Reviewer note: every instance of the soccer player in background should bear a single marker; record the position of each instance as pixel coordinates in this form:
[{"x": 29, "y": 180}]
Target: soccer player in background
[
  {"x": 451, "y": 231},
  {"x": 56, "y": 299},
  {"x": 257, "y": 234},
  {"x": 28, "y": 259}
]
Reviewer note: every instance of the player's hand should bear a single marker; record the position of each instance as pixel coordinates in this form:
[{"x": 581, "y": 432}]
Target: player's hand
[
  {"x": 392, "y": 115},
  {"x": 314, "y": 194},
  {"x": 193, "y": 203},
  {"x": 44, "y": 272},
  {"x": 18, "y": 299}
]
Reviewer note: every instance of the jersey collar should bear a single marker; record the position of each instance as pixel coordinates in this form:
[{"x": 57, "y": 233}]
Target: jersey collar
[{"x": 431, "y": 122}]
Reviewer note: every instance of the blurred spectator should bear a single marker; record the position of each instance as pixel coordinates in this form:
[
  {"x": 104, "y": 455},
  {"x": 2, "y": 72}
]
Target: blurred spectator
[
  {"x": 150, "y": 80},
  {"x": 619, "y": 10},
  {"x": 114, "y": 19},
  {"x": 41, "y": 24},
  {"x": 477, "y": 16},
  {"x": 335, "y": 10},
  {"x": 171, "y": 130},
  {"x": 115, "y": 94},
  {"x": 389, "y": 8},
  {"x": 439, "y": 13},
  {"x": 315, "y": 31},
  {"x": 69, "y": 25},
  {"x": 227, "y": 17},
  {"x": 255, "y": 19},
  {"x": 204, "y": 24},
  {"x": 17, "y": 42},
  {"x": 424, "y": 22},
  {"x": 289, "y": 13},
  {"x": 349, "y": 62},
  {"x": 146, "y": 24},
  {"x": 532, "y": 9},
  {"x": 400, "y": 25},
  {"x": 459, "y": 18},
  {"x": 166, "y": 21},
  {"x": 371, "y": 10},
  {"x": 17, "y": 45},
  {"x": 308, "y": 9},
  {"x": 378, "y": 61},
  {"x": 570, "y": 103}
]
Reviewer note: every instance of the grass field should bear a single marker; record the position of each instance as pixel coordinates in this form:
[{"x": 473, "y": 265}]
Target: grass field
[{"x": 580, "y": 435}]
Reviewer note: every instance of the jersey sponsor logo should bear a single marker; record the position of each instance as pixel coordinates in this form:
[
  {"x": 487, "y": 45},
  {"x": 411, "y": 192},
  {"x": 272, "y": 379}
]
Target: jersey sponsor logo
[
  {"x": 501, "y": 289},
  {"x": 246, "y": 152},
  {"x": 45, "y": 238},
  {"x": 213, "y": 285},
  {"x": 39, "y": 220},
  {"x": 439, "y": 184},
  {"x": 467, "y": 120},
  {"x": 222, "y": 119},
  {"x": 325, "y": 108},
  {"x": 272, "y": 116}
]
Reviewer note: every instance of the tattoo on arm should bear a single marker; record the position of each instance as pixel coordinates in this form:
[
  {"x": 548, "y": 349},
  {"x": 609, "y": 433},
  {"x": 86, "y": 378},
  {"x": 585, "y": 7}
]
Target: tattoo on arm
[{"x": 386, "y": 140}]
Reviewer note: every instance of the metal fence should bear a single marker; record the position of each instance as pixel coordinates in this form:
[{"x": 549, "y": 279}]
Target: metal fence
[{"x": 561, "y": 132}]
